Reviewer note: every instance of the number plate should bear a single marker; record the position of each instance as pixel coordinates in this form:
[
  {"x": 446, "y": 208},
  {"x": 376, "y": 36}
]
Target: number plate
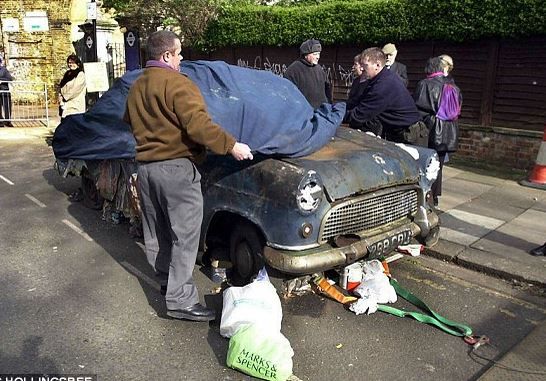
[{"x": 388, "y": 244}]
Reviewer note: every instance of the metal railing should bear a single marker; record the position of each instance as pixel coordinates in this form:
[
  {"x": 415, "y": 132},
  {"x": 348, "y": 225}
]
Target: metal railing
[{"x": 24, "y": 102}]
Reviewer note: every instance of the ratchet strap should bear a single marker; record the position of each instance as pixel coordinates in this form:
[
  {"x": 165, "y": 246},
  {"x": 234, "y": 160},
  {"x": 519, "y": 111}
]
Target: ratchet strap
[{"x": 430, "y": 317}]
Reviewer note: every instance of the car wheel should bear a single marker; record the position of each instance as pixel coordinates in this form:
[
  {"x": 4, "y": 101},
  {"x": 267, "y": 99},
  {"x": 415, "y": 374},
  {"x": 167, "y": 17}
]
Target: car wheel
[
  {"x": 91, "y": 196},
  {"x": 246, "y": 254}
]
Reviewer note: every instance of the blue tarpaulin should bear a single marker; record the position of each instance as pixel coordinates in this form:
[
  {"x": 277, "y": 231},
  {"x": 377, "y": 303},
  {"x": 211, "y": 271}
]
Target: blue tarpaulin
[
  {"x": 258, "y": 108},
  {"x": 263, "y": 110},
  {"x": 100, "y": 133}
]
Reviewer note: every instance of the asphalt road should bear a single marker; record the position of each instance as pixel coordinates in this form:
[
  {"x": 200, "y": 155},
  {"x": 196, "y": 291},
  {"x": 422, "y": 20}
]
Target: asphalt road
[{"x": 78, "y": 297}]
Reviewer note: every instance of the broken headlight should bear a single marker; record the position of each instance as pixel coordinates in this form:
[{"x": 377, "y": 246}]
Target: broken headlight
[{"x": 310, "y": 192}]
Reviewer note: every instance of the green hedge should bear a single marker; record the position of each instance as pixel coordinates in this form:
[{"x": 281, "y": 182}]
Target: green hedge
[{"x": 375, "y": 21}]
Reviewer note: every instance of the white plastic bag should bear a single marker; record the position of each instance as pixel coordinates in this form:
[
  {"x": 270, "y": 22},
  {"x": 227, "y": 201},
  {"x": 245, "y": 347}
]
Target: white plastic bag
[
  {"x": 261, "y": 353},
  {"x": 376, "y": 283},
  {"x": 367, "y": 305},
  {"x": 256, "y": 302}
]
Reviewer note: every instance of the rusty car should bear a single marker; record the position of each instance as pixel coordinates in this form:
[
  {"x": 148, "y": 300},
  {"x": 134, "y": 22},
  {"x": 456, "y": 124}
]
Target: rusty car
[
  {"x": 333, "y": 196},
  {"x": 358, "y": 197}
]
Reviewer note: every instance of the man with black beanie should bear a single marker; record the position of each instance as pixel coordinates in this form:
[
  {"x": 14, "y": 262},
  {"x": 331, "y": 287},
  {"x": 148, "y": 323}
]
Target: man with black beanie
[{"x": 308, "y": 76}]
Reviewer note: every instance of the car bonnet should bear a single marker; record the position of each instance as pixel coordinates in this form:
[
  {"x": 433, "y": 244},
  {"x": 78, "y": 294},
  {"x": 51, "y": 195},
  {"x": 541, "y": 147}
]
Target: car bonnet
[{"x": 356, "y": 163}]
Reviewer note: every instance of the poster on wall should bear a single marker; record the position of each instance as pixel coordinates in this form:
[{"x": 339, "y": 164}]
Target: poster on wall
[
  {"x": 35, "y": 21},
  {"x": 10, "y": 25},
  {"x": 96, "y": 76}
]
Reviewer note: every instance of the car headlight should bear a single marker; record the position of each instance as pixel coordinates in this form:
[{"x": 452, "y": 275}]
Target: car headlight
[{"x": 310, "y": 192}]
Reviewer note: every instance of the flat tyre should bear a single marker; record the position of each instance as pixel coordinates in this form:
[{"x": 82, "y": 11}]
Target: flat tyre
[{"x": 246, "y": 253}]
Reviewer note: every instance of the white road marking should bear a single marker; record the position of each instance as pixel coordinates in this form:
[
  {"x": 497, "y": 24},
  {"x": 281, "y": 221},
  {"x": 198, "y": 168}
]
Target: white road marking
[
  {"x": 78, "y": 230},
  {"x": 6, "y": 180},
  {"x": 35, "y": 200},
  {"x": 132, "y": 269}
]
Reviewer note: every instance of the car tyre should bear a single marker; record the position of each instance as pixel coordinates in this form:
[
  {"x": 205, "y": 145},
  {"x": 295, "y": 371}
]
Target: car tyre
[
  {"x": 246, "y": 254},
  {"x": 91, "y": 195}
]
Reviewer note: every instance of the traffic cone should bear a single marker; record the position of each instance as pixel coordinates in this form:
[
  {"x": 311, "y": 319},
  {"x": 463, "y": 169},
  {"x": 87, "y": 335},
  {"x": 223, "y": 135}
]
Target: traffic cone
[{"x": 537, "y": 178}]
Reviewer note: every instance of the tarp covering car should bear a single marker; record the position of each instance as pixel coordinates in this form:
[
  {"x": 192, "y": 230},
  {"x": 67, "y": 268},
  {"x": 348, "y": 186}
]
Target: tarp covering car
[
  {"x": 100, "y": 133},
  {"x": 257, "y": 107}
]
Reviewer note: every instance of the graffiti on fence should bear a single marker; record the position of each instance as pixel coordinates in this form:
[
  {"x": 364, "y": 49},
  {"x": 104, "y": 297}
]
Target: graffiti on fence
[
  {"x": 346, "y": 76},
  {"x": 275, "y": 68},
  {"x": 334, "y": 72}
]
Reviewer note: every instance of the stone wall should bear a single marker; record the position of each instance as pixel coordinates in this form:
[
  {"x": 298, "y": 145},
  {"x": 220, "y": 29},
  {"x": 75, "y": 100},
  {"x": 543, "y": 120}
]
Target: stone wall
[
  {"x": 38, "y": 56},
  {"x": 41, "y": 56}
]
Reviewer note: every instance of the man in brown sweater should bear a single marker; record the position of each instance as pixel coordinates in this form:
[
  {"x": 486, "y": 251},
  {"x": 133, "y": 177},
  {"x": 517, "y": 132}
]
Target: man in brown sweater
[{"x": 172, "y": 129}]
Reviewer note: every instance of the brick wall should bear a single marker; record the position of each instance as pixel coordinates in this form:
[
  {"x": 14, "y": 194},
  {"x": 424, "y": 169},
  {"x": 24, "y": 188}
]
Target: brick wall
[{"x": 506, "y": 147}]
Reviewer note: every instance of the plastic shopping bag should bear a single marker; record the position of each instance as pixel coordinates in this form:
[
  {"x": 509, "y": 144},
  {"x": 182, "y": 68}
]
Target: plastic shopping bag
[
  {"x": 375, "y": 283},
  {"x": 256, "y": 302},
  {"x": 260, "y": 352}
]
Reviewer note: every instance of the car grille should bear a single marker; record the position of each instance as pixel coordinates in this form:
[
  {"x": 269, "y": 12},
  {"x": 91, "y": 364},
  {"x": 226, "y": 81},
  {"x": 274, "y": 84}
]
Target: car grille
[{"x": 368, "y": 212}]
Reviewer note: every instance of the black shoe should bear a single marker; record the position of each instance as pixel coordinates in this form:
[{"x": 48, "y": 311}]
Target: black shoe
[
  {"x": 197, "y": 312},
  {"x": 8, "y": 124},
  {"x": 539, "y": 251}
]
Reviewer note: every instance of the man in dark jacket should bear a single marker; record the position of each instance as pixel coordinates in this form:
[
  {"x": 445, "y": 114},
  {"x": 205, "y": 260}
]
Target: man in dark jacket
[
  {"x": 5, "y": 96},
  {"x": 386, "y": 108},
  {"x": 308, "y": 76},
  {"x": 394, "y": 66}
]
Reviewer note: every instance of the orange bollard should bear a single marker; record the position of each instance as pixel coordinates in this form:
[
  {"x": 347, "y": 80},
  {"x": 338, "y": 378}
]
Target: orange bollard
[{"x": 537, "y": 178}]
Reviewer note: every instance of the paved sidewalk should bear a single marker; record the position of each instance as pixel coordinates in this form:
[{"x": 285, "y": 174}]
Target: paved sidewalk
[
  {"x": 22, "y": 131},
  {"x": 490, "y": 224}
]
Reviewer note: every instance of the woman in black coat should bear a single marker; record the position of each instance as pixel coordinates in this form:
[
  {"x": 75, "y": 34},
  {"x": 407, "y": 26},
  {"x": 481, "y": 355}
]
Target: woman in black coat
[{"x": 439, "y": 115}]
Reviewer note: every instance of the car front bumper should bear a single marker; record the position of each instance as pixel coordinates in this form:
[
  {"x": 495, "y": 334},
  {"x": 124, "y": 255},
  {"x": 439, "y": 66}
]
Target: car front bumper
[{"x": 327, "y": 256}]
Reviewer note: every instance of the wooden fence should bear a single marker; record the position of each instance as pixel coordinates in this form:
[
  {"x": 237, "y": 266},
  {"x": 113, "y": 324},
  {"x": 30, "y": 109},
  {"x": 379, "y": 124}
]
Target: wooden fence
[{"x": 503, "y": 81}]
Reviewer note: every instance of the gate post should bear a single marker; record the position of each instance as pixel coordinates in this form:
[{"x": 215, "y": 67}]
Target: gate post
[{"x": 132, "y": 50}]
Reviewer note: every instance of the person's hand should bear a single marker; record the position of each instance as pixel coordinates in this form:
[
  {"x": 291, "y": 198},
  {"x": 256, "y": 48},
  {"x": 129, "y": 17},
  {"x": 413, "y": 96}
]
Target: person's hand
[{"x": 241, "y": 151}]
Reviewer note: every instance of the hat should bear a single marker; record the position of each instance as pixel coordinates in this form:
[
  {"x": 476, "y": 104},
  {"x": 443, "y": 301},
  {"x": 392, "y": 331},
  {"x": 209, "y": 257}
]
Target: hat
[
  {"x": 310, "y": 46},
  {"x": 389, "y": 49}
]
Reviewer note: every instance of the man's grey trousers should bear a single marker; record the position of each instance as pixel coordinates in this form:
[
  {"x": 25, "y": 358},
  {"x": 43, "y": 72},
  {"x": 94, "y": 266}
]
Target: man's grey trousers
[{"x": 172, "y": 211}]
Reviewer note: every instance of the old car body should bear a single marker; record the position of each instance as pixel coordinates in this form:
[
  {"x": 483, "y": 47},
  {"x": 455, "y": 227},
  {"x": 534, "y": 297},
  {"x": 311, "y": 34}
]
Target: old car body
[
  {"x": 316, "y": 197},
  {"x": 357, "y": 197}
]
